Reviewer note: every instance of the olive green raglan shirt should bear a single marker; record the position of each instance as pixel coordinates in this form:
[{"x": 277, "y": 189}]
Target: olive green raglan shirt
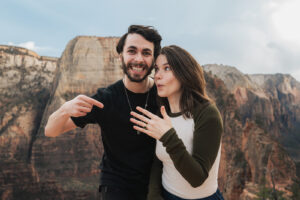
[{"x": 194, "y": 167}]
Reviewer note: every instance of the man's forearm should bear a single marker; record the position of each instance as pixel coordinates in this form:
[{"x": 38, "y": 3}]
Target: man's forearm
[{"x": 58, "y": 123}]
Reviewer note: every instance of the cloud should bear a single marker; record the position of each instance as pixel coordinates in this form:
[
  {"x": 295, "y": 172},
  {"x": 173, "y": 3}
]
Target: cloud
[
  {"x": 254, "y": 36},
  {"x": 296, "y": 74},
  {"x": 28, "y": 45},
  {"x": 243, "y": 35},
  {"x": 38, "y": 49}
]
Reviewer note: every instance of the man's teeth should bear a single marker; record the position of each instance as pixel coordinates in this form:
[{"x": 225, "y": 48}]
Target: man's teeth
[{"x": 137, "y": 69}]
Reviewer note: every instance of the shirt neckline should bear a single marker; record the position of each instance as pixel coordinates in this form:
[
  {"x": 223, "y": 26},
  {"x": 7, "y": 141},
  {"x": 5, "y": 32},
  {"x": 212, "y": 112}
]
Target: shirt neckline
[{"x": 177, "y": 114}]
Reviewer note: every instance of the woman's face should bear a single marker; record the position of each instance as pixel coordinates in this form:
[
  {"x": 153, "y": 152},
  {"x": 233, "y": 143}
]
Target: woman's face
[{"x": 167, "y": 84}]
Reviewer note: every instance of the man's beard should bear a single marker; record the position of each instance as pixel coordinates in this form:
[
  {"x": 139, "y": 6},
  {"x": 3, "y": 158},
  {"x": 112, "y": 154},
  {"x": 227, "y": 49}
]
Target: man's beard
[{"x": 133, "y": 79}]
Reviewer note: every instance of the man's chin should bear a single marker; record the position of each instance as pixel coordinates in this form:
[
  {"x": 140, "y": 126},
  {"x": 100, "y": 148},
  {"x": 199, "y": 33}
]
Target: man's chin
[
  {"x": 137, "y": 79},
  {"x": 134, "y": 77}
]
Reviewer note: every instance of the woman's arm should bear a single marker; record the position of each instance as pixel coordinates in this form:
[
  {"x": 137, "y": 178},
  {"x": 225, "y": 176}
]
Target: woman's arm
[{"x": 206, "y": 143}]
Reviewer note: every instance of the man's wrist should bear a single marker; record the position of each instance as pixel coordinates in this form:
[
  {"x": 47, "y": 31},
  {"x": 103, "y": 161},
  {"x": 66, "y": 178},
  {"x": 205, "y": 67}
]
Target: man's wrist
[{"x": 63, "y": 112}]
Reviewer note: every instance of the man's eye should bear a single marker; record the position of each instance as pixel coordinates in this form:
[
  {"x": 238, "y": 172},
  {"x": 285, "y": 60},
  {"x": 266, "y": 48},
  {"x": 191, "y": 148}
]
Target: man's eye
[
  {"x": 131, "y": 51},
  {"x": 147, "y": 53}
]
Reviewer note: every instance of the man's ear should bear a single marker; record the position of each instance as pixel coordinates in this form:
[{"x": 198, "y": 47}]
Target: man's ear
[{"x": 120, "y": 57}]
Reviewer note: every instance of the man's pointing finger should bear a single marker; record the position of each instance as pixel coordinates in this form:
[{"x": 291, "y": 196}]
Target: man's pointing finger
[
  {"x": 97, "y": 103},
  {"x": 94, "y": 102}
]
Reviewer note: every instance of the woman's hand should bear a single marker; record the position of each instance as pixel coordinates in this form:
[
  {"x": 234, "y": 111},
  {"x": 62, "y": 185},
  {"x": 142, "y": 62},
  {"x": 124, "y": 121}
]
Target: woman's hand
[{"x": 151, "y": 124}]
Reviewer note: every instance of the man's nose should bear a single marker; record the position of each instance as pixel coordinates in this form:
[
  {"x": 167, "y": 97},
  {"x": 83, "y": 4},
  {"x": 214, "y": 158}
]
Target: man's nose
[{"x": 139, "y": 57}]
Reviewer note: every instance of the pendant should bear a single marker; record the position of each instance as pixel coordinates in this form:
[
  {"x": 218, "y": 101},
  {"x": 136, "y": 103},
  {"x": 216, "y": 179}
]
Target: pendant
[{"x": 138, "y": 132}]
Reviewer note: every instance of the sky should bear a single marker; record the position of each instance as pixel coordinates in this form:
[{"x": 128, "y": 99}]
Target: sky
[{"x": 257, "y": 36}]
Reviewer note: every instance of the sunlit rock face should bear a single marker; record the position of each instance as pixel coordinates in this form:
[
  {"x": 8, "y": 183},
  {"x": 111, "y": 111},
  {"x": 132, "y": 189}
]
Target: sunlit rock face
[
  {"x": 26, "y": 80},
  {"x": 73, "y": 158}
]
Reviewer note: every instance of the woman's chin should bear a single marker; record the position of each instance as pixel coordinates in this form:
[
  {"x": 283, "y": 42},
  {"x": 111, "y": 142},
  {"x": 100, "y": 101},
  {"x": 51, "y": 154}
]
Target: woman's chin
[{"x": 162, "y": 95}]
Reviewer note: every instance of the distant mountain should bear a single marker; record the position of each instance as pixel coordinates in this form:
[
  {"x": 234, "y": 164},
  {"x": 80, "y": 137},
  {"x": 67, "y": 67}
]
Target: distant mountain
[
  {"x": 260, "y": 113},
  {"x": 273, "y": 100}
]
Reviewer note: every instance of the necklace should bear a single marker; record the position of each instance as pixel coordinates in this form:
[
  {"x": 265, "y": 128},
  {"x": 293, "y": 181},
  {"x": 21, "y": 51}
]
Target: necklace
[{"x": 146, "y": 103}]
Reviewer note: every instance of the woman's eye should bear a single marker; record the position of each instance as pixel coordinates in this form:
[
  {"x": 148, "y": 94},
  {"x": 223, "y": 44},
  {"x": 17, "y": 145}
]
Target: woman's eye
[{"x": 167, "y": 68}]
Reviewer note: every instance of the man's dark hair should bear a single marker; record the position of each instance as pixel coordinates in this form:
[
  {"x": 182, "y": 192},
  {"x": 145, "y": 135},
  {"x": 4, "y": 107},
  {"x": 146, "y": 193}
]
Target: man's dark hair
[{"x": 148, "y": 32}]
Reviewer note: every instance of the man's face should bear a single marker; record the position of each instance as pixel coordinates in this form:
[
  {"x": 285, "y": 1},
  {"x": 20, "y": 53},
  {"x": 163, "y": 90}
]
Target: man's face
[{"x": 137, "y": 57}]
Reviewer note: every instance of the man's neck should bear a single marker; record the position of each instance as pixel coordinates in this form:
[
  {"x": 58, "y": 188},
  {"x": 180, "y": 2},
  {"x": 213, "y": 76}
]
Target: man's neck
[{"x": 138, "y": 87}]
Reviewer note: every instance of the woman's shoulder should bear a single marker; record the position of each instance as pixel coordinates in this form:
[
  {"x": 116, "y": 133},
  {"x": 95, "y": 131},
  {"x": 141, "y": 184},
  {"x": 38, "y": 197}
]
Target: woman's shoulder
[
  {"x": 206, "y": 110},
  {"x": 208, "y": 115}
]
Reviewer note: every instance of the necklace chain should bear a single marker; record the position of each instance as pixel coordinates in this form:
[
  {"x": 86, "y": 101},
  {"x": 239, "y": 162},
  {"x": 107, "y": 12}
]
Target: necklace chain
[{"x": 146, "y": 103}]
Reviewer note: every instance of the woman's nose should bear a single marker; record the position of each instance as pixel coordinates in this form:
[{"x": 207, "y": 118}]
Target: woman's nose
[{"x": 157, "y": 75}]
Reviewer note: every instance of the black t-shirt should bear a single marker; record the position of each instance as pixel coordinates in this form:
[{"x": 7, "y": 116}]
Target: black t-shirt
[{"x": 128, "y": 156}]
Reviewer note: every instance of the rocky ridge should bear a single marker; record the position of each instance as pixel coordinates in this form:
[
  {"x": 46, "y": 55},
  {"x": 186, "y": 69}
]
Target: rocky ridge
[
  {"x": 274, "y": 101},
  {"x": 249, "y": 158}
]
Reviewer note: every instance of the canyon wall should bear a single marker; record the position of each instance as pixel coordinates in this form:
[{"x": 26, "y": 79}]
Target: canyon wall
[{"x": 260, "y": 114}]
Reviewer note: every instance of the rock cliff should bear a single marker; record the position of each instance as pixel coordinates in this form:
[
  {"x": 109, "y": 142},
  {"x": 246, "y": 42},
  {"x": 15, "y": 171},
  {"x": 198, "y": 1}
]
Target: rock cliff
[
  {"x": 26, "y": 80},
  {"x": 73, "y": 158},
  {"x": 263, "y": 125},
  {"x": 274, "y": 101},
  {"x": 260, "y": 114}
]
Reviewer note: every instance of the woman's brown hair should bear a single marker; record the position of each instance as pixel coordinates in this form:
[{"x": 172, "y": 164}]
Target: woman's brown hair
[{"x": 191, "y": 76}]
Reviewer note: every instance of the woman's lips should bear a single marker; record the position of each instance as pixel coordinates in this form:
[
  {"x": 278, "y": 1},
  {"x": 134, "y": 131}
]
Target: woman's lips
[{"x": 159, "y": 85}]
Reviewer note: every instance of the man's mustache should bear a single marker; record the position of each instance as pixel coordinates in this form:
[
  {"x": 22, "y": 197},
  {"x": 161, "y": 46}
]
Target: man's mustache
[{"x": 137, "y": 64}]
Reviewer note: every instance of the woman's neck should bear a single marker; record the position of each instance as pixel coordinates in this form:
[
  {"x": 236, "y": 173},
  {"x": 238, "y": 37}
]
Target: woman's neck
[{"x": 174, "y": 103}]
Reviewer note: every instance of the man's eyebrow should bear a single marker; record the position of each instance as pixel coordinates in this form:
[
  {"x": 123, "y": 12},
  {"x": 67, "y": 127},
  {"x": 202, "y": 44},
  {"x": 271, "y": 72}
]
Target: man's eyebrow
[
  {"x": 147, "y": 49},
  {"x": 132, "y": 47}
]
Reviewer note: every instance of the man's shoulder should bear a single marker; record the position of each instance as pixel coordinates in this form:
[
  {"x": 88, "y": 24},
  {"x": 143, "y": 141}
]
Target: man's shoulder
[
  {"x": 110, "y": 89},
  {"x": 109, "y": 93},
  {"x": 153, "y": 89}
]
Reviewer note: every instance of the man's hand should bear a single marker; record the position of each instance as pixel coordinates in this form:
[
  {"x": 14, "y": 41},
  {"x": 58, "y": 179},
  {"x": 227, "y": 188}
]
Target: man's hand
[
  {"x": 80, "y": 106},
  {"x": 60, "y": 122}
]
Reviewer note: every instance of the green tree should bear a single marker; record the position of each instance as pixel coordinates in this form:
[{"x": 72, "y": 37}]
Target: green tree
[
  {"x": 266, "y": 193},
  {"x": 296, "y": 191}
]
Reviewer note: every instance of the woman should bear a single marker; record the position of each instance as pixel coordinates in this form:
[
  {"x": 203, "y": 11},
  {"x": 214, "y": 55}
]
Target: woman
[{"x": 188, "y": 137}]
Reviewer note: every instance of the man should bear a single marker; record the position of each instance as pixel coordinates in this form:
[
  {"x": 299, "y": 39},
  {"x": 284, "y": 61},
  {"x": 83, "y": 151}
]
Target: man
[{"x": 128, "y": 155}]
